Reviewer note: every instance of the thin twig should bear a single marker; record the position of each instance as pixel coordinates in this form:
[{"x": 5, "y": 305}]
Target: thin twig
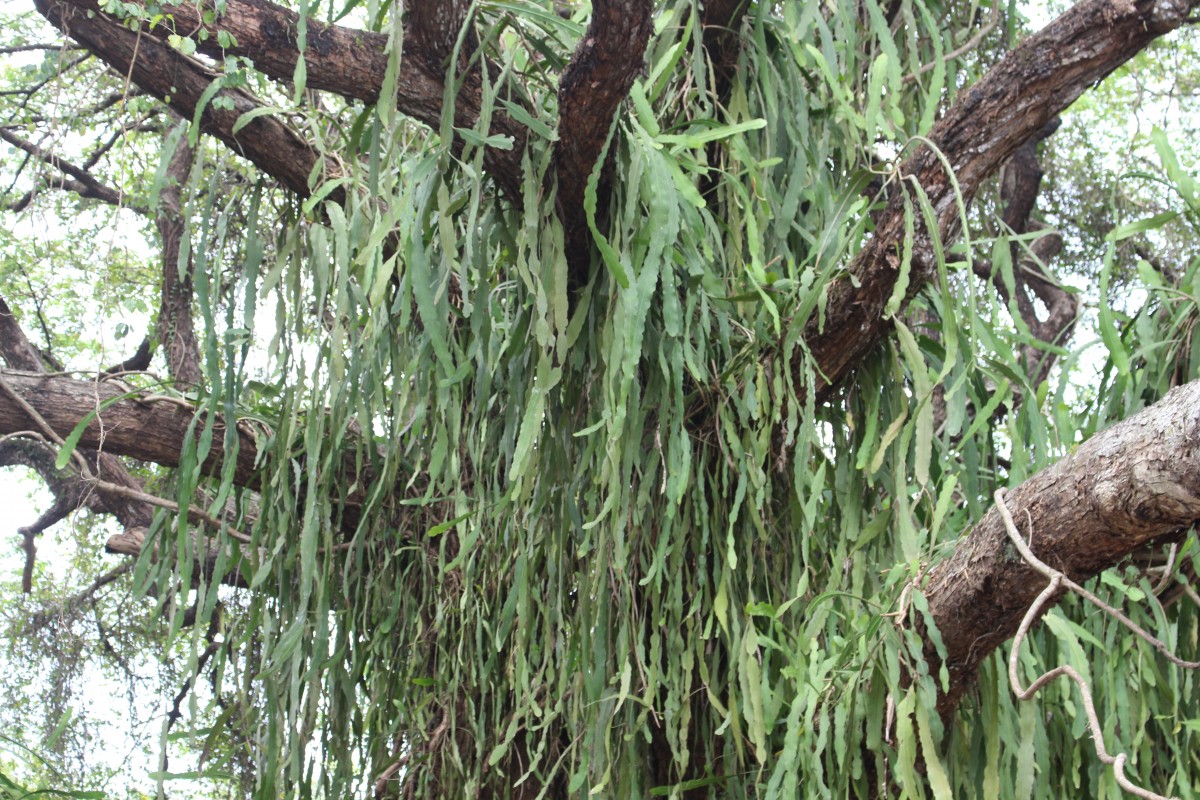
[
  {"x": 85, "y": 184},
  {"x": 1167, "y": 569},
  {"x": 967, "y": 47},
  {"x": 28, "y": 48},
  {"x": 43, "y": 615},
  {"x": 1049, "y": 572}
]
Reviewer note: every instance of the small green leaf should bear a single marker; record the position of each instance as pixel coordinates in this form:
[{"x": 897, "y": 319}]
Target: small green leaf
[
  {"x": 713, "y": 134},
  {"x": 253, "y": 114},
  {"x": 1140, "y": 226},
  {"x": 534, "y": 124},
  {"x": 495, "y": 141},
  {"x": 439, "y": 529}
]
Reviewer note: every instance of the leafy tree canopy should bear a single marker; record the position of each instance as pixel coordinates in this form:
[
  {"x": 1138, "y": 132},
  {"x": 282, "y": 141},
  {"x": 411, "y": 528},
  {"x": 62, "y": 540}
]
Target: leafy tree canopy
[{"x": 542, "y": 399}]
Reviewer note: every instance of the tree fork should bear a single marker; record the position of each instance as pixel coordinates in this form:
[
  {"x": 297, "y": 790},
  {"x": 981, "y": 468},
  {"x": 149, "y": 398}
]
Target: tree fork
[
  {"x": 1009, "y": 106},
  {"x": 592, "y": 88}
]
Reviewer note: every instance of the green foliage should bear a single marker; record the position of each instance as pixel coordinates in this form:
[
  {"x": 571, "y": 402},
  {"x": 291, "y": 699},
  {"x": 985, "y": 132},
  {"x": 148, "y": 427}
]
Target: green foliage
[
  {"x": 17, "y": 761},
  {"x": 611, "y": 544}
]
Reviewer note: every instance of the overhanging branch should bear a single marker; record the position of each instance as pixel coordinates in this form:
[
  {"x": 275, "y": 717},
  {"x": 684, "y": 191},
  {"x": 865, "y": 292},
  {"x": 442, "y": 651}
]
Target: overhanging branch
[
  {"x": 1006, "y": 108},
  {"x": 1126, "y": 486},
  {"x": 151, "y": 429},
  {"x": 137, "y": 427},
  {"x": 84, "y": 184},
  {"x": 348, "y": 62},
  {"x": 156, "y": 68}
]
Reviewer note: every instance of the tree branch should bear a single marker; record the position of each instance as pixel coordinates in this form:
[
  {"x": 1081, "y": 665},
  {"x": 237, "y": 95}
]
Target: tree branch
[
  {"x": 87, "y": 184},
  {"x": 140, "y": 427},
  {"x": 29, "y": 91},
  {"x": 175, "y": 330},
  {"x": 337, "y": 59},
  {"x": 206, "y": 552},
  {"x": 154, "y": 67},
  {"x": 1126, "y": 486},
  {"x": 41, "y": 617},
  {"x": 15, "y": 348},
  {"x": 28, "y": 48},
  {"x": 435, "y": 26},
  {"x": 1009, "y": 106},
  {"x": 70, "y": 492},
  {"x": 593, "y": 85},
  {"x": 139, "y": 361},
  {"x": 119, "y": 132},
  {"x": 1020, "y": 184}
]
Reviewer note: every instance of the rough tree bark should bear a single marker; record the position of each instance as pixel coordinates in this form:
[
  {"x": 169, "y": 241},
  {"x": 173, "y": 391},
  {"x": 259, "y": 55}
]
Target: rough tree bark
[
  {"x": 174, "y": 329},
  {"x": 1020, "y": 183},
  {"x": 69, "y": 492},
  {"x": 265, "y": 141},
  {"x": 1127, "y": 486},
  {"x": 1007, "y": 108},
  {"x": 593, "y": 86},
  {"x": 146, "y": 430}
]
